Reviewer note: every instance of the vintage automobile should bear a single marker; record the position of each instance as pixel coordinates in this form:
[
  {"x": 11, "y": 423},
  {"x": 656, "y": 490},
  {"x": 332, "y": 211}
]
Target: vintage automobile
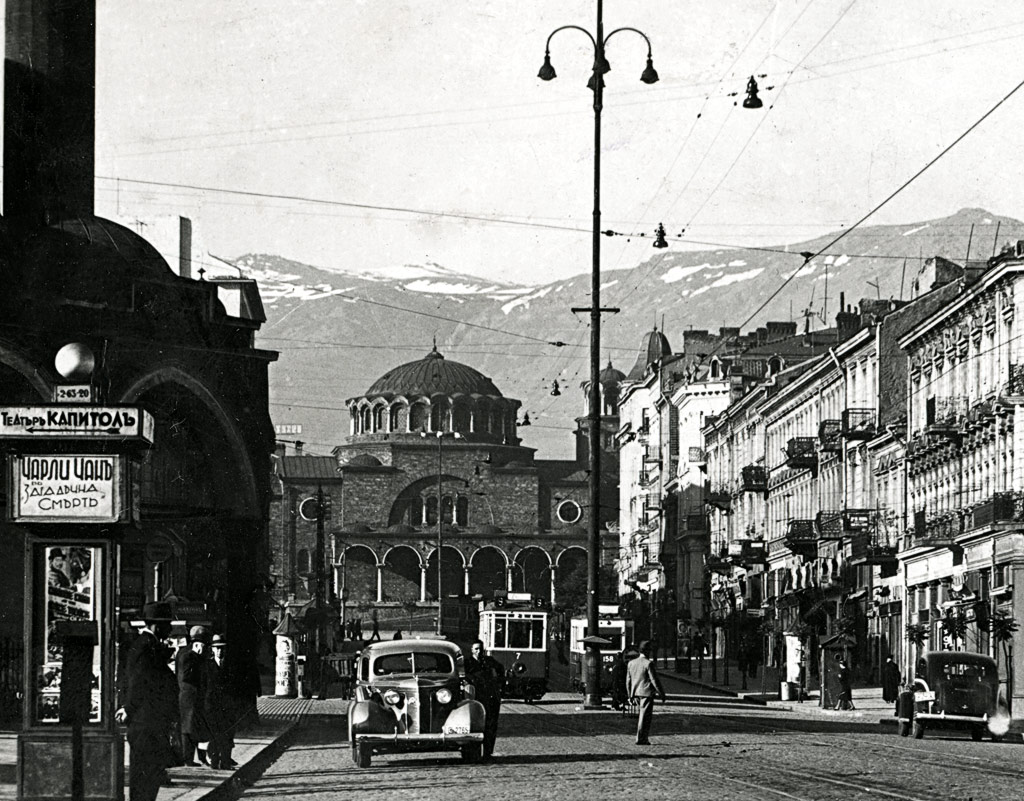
[
  {"x": 411, "y": 695},
  {"x": 954, "y": 690}
]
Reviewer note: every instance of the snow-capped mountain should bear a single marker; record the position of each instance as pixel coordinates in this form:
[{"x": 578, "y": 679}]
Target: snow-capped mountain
[{"x": 338, "y": 329}]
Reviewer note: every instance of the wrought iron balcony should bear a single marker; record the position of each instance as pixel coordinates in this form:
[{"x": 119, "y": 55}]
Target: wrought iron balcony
[
  {"x": 646, "y": 478},
  {"x": 1015, "y": 386},
  {"x": 720, "y": 498},
  {"x": 748, "y": 553},
  {"x": 859, "y": 423},
  {"x": 1000, "y": 508},
  {"x": 830, "y": 525},
  {"x": 801, "y": 453},
  {"x": 938, "y": 530},
  {"x": 754, "y": 478},
  {"x": 802, "y": 537},
  {"x": 944, "y": 416},
  {"x": 868, "y": 549},
  {"x": 718, "y": 564},
  {"x": 830, "y": 436}
]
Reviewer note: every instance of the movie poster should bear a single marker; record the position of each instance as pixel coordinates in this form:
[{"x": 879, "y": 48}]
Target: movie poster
[{"x": 72, "y": 593}]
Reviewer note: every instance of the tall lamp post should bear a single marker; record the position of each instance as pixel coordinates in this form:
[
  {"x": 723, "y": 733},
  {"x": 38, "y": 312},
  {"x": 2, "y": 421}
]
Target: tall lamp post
[
  {"x": 440, "y": 516},
  {"x": 592, "y": 662}
]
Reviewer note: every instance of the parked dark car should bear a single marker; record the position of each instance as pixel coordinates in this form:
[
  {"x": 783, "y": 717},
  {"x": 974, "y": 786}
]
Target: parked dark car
[
  {"x": 411, "y": 695},
  {"x": 954, "y": 690}
]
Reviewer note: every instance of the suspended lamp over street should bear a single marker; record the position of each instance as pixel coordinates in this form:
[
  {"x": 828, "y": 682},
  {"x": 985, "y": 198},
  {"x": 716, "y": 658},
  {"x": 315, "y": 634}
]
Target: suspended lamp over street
[
  {"x": 752, "y": 100},
  {"x": 659, "y": 237},
  {"x": 592, "y": 660}
]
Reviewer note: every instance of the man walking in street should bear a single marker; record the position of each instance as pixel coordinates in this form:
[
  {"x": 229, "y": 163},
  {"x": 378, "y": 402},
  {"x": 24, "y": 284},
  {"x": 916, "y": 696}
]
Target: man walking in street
[
  {"x": 642, "y": 683},
  {"x": 221, "y": 713},
  {"x": 150, "y": 704},
  {"x": 487, "y": 676},
  {"x": 845, "y": 679}
]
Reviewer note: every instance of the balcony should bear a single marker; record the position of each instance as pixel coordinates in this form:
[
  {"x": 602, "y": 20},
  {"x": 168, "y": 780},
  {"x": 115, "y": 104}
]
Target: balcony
[
  {"x": 718, "y": 564},
  {"x": 802, "y": 538},
  {"x": 859, "y": 423},
  {"x": 720, "y": 498},
  {"x": 747, "y": 553},
  {"x": 1000, "y": 508},
  {"x": 830, "y": 436},
  {"x": 802, "y": 454},
  {"x": 754, "y": 478},
  {"x": 938, "y": 531},
  {"x": 646, "y": 478},
  {"x": 868, "y": 549},
  {"x": 830, "y": 525},
  {"x": 979, "y": 416},
  {"x": 696, "y": 456},
  {"x": 643, "y": 434},
  {"x": 1015, "y": 386},
  {"x": 944, "y": 416}
]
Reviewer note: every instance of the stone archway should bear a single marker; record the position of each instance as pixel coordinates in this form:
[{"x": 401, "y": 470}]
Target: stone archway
[
  {"x": 359, "y": 575},
  {"x": 400, "y": 576},
  {"x": 488, "y": 572},
  {"x": 531, "y": 572},
  {"x": 452, "y": 573}
]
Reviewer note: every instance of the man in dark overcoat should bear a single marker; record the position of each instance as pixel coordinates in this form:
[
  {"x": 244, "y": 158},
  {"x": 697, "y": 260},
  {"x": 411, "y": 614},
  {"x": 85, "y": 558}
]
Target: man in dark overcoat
[
  {"x": 220, "y": 707},
  {"x": 149, "y": 705},
  {"x": 190, "y": 665},
  {"x": 487, "y": 675}
]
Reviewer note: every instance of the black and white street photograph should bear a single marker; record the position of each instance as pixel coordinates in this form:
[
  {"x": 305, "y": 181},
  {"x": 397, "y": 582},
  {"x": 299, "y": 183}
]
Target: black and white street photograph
[{"x": 443, "y": 400}]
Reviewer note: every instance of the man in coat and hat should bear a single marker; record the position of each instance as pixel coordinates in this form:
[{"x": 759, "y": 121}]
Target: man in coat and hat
[
  {"x": 642, "y": 683},
  {"x": 190, "y": 665},
  {"x": 221, "y": 715},
  {"x": 149, "y": 704}
]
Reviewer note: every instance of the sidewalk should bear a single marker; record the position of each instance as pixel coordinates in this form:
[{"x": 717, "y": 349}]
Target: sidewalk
[{"x": 254, "y": 751}]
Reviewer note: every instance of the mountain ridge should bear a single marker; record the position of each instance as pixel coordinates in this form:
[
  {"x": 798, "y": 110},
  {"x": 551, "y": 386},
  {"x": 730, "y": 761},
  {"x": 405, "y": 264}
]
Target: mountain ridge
[{"x": 339, "y": 329}]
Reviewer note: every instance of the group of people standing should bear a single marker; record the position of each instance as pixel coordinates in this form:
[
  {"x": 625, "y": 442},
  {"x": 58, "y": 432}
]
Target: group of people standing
[{"x": 192, "y": 704}]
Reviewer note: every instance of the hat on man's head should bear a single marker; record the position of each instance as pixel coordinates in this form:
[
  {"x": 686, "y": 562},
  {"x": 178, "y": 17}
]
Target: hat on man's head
[
  {"x": 199, "y": 634},
  {"x": 218, "y": 640},
  {"x": 56, "y": 552},
  {"x": 156, "y": 612}
]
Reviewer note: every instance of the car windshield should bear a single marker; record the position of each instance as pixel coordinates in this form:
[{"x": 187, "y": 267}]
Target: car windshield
[{"x": 413, "y": 662}]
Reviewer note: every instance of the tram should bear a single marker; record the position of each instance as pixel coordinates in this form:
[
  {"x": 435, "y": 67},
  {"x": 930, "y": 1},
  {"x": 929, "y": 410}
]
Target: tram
[
  {"x": 611, "y": 626},
  {"x": 514, "y": 631}
]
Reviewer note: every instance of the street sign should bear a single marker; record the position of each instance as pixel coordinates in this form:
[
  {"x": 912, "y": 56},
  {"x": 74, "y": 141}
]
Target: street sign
[
  {"x": 159, "y": 549},
  {"x": 60, "y": 421},
  {"x": 77, "y": 393}
]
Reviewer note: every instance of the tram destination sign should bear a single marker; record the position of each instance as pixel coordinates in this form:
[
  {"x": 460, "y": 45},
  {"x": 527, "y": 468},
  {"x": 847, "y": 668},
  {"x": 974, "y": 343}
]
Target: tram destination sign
[{"x": 60, "y": 421}]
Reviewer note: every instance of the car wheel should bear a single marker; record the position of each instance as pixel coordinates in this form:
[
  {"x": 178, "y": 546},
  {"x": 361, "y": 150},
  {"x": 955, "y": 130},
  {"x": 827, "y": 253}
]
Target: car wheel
[
  {"x": 361, "y": 755},
  {"x": 473, "y": 752},
  {"x": 918, "y": 731},
  {"x": 996, "y": 738},
  {"x": 976, "y": 734},
  {"x": 904, "y": 729}
]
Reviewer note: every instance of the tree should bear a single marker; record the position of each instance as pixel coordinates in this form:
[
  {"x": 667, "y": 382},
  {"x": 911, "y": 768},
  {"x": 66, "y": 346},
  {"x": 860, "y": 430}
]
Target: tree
[
  {"x": 1003, "y": 627},
  {"x": 571, "y": 588},
  {"x": 954, "y": 626},
  {"x": 917, "y": 635}
]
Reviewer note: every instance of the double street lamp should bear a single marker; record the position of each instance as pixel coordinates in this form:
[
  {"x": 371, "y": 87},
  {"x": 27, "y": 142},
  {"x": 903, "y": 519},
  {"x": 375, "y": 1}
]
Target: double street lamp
[{"x": 592, "y": 662}]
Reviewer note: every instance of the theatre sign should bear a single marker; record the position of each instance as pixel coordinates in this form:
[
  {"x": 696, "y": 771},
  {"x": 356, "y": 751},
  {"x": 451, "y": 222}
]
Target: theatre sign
[
  {"x": 62, "y": 488},
  {"x": 76, "y": 422}
]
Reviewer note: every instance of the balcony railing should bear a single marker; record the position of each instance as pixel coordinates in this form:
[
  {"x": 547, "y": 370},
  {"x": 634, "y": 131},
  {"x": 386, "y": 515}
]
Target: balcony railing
[
  {"x": 802, "y": 537},
  {"x": 830, "y": 525},
  {"x": 1015, "y": 386},
  {"x": 747, "y": 553},
  {"x": 696, "y": 455},
  {"x": 944, "y": 416},
  {"x": 754, "y": 478},
  {"x": 1000, "y": 508},
  {"x": 801, "y": 453},
  {"x": 720, "y": 498},
  {"x": 867, "y": 549},
  {"x": 937, "y": 530},
  {"x": 646, "y": 478},
  {"x": 859, "y": 423},
  {"x": 830, "y": 436}
]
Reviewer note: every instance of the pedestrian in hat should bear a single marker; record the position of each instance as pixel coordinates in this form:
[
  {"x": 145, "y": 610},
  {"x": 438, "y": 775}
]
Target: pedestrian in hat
[
  {"x": 642, "y": 683},
  {"x": 57, "y": 575},
  {"x": 150, "y": 704},
  {"x": 190, "y": 664},
  {"x": 219, "y": 707}
]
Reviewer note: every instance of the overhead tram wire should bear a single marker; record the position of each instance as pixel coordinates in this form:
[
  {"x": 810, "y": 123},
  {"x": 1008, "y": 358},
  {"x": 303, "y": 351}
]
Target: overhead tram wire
[{"x": 808, "y": 259}]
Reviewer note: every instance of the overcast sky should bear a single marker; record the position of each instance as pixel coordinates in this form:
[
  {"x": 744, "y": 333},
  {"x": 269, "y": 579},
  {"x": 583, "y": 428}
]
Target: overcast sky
[{"x": 434, "y": 106}]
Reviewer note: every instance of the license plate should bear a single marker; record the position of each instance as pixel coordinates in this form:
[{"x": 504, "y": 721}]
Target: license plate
[
  {"x": 456, "y": 730},
  {"x": 924, "y": 695}
]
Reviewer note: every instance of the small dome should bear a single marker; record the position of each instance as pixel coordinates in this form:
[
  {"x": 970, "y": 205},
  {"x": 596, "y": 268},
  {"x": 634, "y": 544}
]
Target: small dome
[
  {"x": 609, "y": 375},
  {"x": 401, "y": 528},
  {"x": 363, "y": 460},
  {"x": 433, "y": 375},
  {"x": 654, "y": 348}
]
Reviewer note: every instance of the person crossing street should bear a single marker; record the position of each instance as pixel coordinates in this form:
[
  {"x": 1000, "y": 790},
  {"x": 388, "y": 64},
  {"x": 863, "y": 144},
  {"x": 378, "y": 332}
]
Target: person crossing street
[{"x": 642, "y": 683}]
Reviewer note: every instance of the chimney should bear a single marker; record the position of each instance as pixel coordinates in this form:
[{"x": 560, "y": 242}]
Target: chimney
[
  {"x": 298, "y": 447},
  {"x": 49, "y": 110},
  {"x": 184, "y": 247}
]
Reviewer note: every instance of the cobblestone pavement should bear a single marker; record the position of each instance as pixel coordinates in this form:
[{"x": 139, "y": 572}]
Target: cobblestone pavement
[{"x": 704, "y": 747}]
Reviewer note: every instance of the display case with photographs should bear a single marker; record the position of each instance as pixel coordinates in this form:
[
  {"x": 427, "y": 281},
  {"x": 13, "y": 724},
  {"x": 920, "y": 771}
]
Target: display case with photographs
[{"x": 72, "y": 591}]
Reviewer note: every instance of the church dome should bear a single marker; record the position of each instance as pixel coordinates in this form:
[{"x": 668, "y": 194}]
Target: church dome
[
  {"x": 654, "y": 348},
  {"x": 433, "y": 375},
  {"x": 610, "y": 376}
]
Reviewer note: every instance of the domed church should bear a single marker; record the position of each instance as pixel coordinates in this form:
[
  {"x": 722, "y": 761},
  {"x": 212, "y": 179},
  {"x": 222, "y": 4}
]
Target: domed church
[{"x": 433, "y": 452}]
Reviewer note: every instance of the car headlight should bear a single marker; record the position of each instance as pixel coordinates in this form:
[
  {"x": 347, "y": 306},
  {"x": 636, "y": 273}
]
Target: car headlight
[
  {"x": 392, "y": 698},
  {"x": 444, "y": 696}
]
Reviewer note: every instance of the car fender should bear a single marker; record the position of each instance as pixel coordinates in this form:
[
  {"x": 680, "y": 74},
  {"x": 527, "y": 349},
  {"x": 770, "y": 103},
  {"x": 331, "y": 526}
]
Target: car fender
[
  {"x": 468, "y": 716},
  {"x": 370, "y": 717}
]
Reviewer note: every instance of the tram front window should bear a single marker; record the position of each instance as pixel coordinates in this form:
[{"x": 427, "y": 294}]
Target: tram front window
[{"x": 526, "y": 634}]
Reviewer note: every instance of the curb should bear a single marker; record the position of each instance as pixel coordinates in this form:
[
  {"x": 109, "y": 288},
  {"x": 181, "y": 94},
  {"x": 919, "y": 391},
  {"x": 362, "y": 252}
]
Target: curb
[{"x": 247, "y": 774}]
